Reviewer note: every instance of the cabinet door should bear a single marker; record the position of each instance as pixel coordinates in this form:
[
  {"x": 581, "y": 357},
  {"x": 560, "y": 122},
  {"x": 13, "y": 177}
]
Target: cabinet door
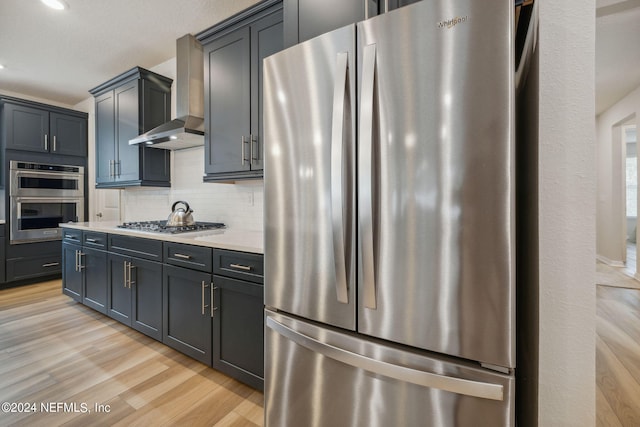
[
  {"x": 118, "y": 292},
  {"x": 187, "y": 312},
  {"x": 71, "y": 275},
  {"x": 146, "y": 294},
  {"x": 127, "y": 124},
  {"x": 266, "y": 39},
  {"x": 27, "y": 128},
  {"x": 156, "y": 107},
  {"x": 95, "y": 279},
  {"x": 238, "y": 330},
  {"x": 227, "y": 102},
  {"x": 394, "y": 4},
  {"x": 68, "y": 134},
  {"x": 105, "y": 137},
  {"x": 319, "y": 17}
]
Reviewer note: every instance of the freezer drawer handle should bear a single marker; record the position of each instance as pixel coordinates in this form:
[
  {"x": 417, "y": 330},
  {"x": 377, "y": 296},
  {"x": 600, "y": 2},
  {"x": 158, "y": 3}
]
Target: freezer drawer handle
[
  {"x": 339, "y": 132},
  {"x": 401, "y": 373}
]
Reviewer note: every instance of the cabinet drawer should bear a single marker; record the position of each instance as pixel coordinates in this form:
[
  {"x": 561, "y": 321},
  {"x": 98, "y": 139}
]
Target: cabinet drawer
[
  {"x": 25, "y": 268},
  {"x": 72, "y": 235},
  {"x": 136, "y": 247},
  {"x": 239, "y": 265},
  {"x": 193, "y": 257},
  {"x": 94, "y": 239}
]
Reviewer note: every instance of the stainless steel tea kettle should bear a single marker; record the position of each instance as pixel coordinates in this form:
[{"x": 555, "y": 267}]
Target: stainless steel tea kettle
[{"x": 181, "y": 216}]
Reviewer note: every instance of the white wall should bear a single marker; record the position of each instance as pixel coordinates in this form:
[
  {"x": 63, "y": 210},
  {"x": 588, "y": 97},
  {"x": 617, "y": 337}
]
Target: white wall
[
  {"x": 33, "y": 98},
  {"x": 610, "y": 214},
  {"x": 567, "y": 186}
]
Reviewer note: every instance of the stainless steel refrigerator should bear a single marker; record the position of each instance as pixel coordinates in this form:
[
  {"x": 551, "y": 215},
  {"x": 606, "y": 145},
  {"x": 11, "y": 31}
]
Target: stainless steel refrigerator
[{"x": 390, "y": 221}]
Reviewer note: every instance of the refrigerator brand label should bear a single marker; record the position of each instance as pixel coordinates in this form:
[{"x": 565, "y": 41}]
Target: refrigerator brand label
[{"x": 453, "y": 22}]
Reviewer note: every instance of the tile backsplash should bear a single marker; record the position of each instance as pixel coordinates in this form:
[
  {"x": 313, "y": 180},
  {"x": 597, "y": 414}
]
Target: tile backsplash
[{"x": 238, "y": 205}]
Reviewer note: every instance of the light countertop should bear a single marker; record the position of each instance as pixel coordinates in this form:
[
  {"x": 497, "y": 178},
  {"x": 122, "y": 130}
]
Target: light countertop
[{"x": 232, "y": 239}]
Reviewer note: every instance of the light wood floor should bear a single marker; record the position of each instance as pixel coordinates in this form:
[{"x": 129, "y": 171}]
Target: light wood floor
[
  {"x": 618, "y": 357},
  {"x": 55, "y": 350}
]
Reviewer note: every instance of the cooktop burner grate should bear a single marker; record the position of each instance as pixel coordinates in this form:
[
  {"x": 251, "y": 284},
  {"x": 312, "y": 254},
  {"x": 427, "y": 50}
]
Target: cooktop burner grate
[{"x": 162, "y": 227}]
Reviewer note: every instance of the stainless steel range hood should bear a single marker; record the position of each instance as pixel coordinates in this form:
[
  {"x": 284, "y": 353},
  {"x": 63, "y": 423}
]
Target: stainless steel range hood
[{"x": 187, "y": 129}]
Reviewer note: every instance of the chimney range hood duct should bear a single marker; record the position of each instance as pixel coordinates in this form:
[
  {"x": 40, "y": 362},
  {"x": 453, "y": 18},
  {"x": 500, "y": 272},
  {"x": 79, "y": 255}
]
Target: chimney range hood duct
[{"x": 187, "y": 130}]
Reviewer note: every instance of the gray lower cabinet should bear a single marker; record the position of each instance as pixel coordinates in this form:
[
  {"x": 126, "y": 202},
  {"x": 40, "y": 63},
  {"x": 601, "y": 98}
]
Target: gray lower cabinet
[
  {"x": 72, "y": 276},
  {"x": 135, "y": 293},
  {"x": 187, "y": 312},
  {"x": 238, "y": 322},
  {"x": 84, "y": 269},
  {"x": 206, "y": 303}
]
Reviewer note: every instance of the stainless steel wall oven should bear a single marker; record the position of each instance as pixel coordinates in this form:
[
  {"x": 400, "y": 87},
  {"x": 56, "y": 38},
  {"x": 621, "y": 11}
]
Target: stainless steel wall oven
[{"x": 42, "y": 196}]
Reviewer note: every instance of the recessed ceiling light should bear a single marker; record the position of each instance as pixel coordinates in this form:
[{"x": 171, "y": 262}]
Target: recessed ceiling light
[
  {"x": 56, "y": 4},
  {"x": 1, "y": 66}
]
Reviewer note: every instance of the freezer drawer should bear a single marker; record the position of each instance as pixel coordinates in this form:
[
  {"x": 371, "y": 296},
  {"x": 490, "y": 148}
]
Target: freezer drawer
[{"x": 320, "y": 377}]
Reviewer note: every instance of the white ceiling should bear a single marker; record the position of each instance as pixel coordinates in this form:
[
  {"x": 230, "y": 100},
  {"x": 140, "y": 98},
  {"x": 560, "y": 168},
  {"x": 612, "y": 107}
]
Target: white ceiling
[{"x": 59, "y": 56}]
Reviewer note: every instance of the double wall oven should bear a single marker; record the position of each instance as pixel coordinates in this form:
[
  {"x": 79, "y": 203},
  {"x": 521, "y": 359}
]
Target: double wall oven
[{"x": 41, "y": 197}]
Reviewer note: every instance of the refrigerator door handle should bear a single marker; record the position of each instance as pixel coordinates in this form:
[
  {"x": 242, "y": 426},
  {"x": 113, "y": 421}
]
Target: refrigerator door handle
[
  {"x": 366, "y": 208},
  {"x": 426, "y": 379},
  {"x": 341, "y": 114}
]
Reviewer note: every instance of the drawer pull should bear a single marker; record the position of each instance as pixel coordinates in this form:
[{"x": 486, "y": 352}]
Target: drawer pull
[
  {"x": 51, "y": 264},
  {"x": 240, "y": 267},
  {"x": 92, "y": 240},
  {"x": 182, "y": 256}
]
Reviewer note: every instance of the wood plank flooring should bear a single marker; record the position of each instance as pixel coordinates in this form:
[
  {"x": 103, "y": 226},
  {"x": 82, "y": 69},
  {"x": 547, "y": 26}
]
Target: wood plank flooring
[
  {"x": 618, "y": 357},
  {"x": 54, "y": 351}
]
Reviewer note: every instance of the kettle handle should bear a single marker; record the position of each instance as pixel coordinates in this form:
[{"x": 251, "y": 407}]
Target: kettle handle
[{"x": 173, "y": 207}]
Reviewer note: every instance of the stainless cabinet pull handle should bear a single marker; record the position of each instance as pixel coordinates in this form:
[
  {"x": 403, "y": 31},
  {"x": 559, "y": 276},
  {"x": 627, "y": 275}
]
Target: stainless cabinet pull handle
[
  {"x": 46, "y": 142},
  {"x": 80, "y": 255},
  {"x": 54, "y": 143},
  {"x": 91, "y": 240},
  {"x": 240, "y": 267},
  {"x": 76, "y": 267},
  {"x": 213, "y": 299},
  {"x": 119, "y": 172},
  {"x": 51, "y": 264},
  {"x": 125, "y": 274},
  {"x": 131, "y": 281},
  {"x": 243, "y": 151},
  {"x": 203, "y": 304},
  {"x": 111, "y": 169},
  {"x": 182, "y": 256},
  {"x": 254, "y": 148}
]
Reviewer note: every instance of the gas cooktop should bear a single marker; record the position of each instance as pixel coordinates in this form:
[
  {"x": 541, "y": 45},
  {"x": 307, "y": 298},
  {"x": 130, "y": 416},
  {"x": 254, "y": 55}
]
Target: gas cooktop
[{"x": 162, "y": 227}]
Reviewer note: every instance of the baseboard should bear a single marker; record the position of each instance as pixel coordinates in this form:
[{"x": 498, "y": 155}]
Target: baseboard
[{"x": 609, "y": 262}]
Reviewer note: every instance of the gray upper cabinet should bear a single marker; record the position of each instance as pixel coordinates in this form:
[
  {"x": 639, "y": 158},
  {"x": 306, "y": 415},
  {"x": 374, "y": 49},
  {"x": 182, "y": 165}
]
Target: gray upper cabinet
[
  {"x": 126, "y": 106},
  {"x": 306, "y": 19},
  {"x": 233, "y": 54},
  {"x": 45, "y": 129}
]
